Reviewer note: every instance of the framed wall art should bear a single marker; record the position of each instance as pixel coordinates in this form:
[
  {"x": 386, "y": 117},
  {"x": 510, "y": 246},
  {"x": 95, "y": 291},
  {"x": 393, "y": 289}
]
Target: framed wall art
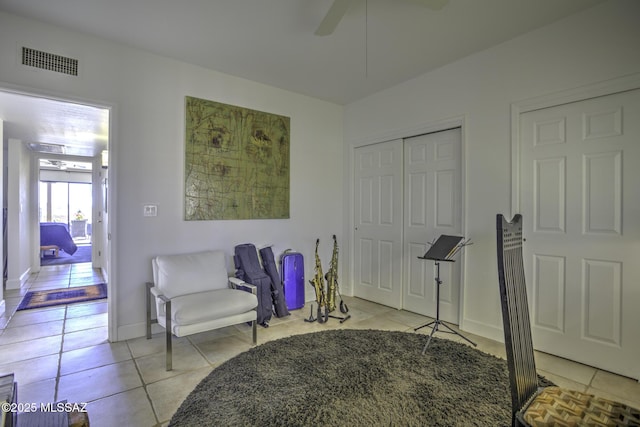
[{"x": 236, "y": 162}]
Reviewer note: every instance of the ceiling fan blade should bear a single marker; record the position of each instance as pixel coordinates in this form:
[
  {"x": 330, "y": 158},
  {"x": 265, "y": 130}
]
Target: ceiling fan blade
[
  {"x": 333, "y": 17},
  {"x": 431, "y": 4}
]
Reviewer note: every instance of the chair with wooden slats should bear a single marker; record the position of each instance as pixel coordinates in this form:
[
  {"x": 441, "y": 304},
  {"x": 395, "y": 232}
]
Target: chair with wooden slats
[{"x": 533, "y": 405}]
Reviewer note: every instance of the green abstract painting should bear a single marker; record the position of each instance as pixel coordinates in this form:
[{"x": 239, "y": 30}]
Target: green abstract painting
[{"x": 236, "y": 162}]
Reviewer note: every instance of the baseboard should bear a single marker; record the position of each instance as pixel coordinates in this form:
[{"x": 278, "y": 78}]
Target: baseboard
[
  {"x": 482, "y": 329},
  {"x": 18, "y": 283},
  {"x": 136, "y": 330},
  {"x": 13, "y": 284}
]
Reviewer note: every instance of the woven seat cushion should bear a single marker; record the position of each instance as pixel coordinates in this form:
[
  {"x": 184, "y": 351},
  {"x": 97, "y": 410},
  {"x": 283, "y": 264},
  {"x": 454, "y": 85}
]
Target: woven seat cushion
[{"x": 561, "y": 407}]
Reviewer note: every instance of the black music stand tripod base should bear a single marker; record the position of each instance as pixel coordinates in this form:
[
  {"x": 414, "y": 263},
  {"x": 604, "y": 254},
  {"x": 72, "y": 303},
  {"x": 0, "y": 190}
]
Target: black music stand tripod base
[
  {"x": 442, "y": 250},
  {"x": 435, "y": 327}
]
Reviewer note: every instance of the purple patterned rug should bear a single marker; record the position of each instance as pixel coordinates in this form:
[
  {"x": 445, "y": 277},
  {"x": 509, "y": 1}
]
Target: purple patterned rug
[{"x": 51, "y": 297}]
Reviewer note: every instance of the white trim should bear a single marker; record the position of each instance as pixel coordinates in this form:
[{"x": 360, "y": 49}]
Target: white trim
[
  {"x": 13, "y": 284},
  {"x": 112, "y": 290},
  {"x": 607, "y": 87},
  {"x": 35, "y": 200},
  {"x": 483, "y": 329},
  {"x": 137, "y": 330},
  {"x": 111, "y": 233},
  {"x": 463, "y": 205},
  {"x": 409, "y": 132},
  {"x": 53, "y": 96},
  {"x": 34, "y": 220},
  {"x": 350, "y": 212}
]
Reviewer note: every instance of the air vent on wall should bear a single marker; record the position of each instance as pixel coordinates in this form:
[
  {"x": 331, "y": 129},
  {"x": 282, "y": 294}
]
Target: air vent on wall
[{"x": 49, "y": 61}]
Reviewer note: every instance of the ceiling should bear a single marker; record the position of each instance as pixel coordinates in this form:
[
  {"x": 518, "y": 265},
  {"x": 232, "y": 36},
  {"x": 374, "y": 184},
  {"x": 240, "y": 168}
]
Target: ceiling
[
  {"x": 377, "y": 44},
  {"x": 55, "y": 127}
]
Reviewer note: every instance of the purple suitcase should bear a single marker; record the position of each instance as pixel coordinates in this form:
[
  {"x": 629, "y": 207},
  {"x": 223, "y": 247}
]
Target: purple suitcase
[{"x": 292, "y": 272}]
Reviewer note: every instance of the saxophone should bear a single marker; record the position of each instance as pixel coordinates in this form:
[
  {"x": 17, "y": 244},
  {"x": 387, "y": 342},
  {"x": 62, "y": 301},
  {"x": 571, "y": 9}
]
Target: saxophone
[
  {"x": 318, "y": 283},
  {"x": 332, "y": 277},
  {"x": 332, "y": 281}
]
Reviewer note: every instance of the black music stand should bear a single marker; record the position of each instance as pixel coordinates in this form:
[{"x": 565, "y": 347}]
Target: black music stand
[{"x": 444, "y": 249}]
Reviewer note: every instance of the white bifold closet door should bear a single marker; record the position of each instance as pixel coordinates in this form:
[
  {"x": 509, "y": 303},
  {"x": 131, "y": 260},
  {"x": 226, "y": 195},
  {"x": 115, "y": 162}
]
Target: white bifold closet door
[
  {"x": 378, "y": 223},
  {"x": 407, "y": 193},
  {"x": 432, "y": 206}
]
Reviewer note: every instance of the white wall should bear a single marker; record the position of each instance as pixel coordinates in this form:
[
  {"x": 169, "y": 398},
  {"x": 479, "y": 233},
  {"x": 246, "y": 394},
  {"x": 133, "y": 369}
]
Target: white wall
[
  {"x": 599, "y": 44},
  {"x": 18, "y": 214},
  {"x": 146, "y": 93}
]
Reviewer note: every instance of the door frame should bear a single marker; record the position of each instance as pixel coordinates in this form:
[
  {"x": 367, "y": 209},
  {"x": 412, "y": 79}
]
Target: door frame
[
  {"x": 110, "y": 226},
  {"x": 603, "y": 88},
  {"x": 35, "y": 176},
  {"x": 402, "y": 133}
]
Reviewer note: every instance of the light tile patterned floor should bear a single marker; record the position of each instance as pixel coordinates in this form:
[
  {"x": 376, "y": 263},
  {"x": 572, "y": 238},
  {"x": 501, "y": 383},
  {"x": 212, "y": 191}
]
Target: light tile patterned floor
[{"x": 62, "y": 353}]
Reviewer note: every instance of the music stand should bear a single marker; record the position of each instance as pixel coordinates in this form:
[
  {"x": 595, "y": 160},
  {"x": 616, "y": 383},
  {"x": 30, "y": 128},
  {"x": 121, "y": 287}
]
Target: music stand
[{"x": 444, "y": 249}]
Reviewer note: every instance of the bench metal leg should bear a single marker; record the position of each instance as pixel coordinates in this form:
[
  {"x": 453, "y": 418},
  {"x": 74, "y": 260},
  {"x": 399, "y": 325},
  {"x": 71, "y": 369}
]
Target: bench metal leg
[
  {"x": 254, "y": 325},
  {"x": 167, "y": 309},
  {"x": 148, "y": 298}
]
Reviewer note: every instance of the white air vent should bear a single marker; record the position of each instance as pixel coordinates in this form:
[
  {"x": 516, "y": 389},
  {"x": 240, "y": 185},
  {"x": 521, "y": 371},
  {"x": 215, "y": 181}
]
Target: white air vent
[
  {"x": 46, "y": 148},
  {"x": 49, "y": 61}
]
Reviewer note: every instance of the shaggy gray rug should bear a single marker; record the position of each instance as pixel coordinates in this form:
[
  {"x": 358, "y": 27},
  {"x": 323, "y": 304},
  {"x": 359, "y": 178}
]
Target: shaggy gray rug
[{"x": 352, "y": 378}]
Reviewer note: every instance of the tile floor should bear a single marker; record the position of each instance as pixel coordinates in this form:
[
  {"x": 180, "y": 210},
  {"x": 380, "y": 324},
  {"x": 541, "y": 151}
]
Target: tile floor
[{"x": 62, "y": 353}]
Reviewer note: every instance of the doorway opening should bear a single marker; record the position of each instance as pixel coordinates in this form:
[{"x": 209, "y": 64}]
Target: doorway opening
[
  {"x": 65, "y": 210},
  {"x": 41, "y": 127}
]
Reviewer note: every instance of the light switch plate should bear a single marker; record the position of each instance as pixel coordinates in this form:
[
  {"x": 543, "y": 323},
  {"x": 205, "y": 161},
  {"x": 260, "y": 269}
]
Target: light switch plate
[{"x": 150, "y": 210}]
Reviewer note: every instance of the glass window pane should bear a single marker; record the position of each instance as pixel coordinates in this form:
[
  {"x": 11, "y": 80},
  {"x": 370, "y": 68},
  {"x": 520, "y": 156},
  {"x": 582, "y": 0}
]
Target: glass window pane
[
  {"x": 44, "y": 203},
  {"x": 80, "y": 202},
  {"x": 80, "y": 205}
]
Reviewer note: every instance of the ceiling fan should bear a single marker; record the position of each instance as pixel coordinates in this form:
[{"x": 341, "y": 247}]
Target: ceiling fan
[{"x": 339, "y": 8}]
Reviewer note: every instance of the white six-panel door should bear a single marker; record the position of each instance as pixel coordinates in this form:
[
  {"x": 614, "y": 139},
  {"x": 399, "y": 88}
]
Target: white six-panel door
[
  {"x": 580, "y": 199},
  {"x": 433, "y": 206},
  {"x": 378, "y": 223}
]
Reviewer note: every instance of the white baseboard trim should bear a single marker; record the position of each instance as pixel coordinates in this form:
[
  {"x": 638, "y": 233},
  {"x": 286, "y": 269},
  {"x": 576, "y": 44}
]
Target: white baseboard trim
[
  {"x": 19, "y": 282},
  {"x": 482, "y": 329},
  {"x": 136, "y": 330},
  {"x": 13, "y": 284}
]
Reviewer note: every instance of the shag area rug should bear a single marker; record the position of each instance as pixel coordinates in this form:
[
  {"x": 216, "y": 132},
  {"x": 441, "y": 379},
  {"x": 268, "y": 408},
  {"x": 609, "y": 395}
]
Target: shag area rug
[
  {"x": 353, "y": 378},
  {"x": 51, "y": 297}
]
